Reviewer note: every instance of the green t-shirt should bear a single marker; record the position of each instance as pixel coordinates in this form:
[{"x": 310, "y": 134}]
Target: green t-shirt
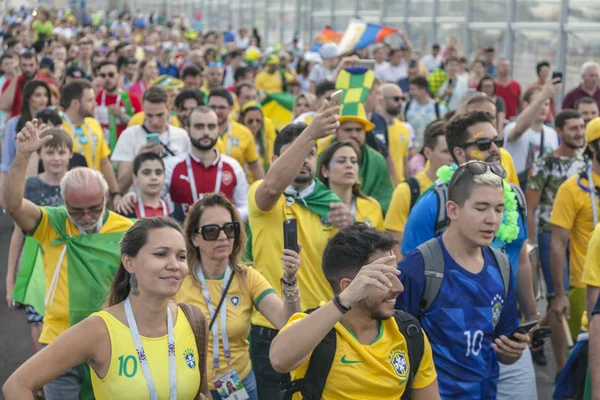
[{"x": 45, "y": 28}]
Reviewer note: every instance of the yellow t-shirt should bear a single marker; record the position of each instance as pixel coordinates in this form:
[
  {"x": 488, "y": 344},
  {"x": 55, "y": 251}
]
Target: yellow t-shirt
[
  {"x": 125, "y": 378},
  {"x": 94, "y": 147},
  {"x": 238, "y": 143},
  {"x": 138, "y": 119},
  {"x": 399, "y": 141},
  {"x": 267, "y": 244},
  {"x": 507, "y": 162},
  {"x": 591, "y": 269},
  {"x": 369, "y": 211},
  {"x": 242, "y": 298},
  {"x": 572, "y": 210},
  {"x": 397, "y": 214},
  {"x": 270, "y": 83},
  {"x": 378, "y": 370},
  {"x": 56, "y": 320},
  {"x": 270, "y": 135}
]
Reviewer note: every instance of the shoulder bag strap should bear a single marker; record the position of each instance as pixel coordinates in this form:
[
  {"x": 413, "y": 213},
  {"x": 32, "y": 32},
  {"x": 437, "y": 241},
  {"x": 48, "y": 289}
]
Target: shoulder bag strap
[
  {"x": 198, "y": 323},
  {"x": 214, "y": 318}
]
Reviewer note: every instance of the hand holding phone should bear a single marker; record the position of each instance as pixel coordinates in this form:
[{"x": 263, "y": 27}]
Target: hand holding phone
[
  {"x": 557, "y": 74},
  {"x": 523, "y": 329},
  {"x": 153, "y": 138},
  {"x": 336, "y": 98}
]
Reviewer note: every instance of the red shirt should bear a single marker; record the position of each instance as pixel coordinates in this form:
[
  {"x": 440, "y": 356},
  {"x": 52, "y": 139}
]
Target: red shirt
[
  {"x": 101, "y": 115},
  {"x": 578, "y": 93},
  {"x": 160, "y": 211},
  {"x": 18, "y": 99},
  {"x": 511, "y": 95}
]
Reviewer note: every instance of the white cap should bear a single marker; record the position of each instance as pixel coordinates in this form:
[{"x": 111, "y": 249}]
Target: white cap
[{"x": 329, "y": 50}]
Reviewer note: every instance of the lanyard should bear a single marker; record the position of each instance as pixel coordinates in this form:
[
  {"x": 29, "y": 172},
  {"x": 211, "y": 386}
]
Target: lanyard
[
  {"x": 192, "y": 180},
  {"x": 591, "y": 190},
  {"x": 142, "y": 86},
  {"x": 353, "y": 208},
  {"x": 143, "y": 359},
  {"x": 90, "y": 139},
  {"x": 223, "y": 317},
  {"x": 103, "y": 102},
  {"x": 143, "y": 209}
]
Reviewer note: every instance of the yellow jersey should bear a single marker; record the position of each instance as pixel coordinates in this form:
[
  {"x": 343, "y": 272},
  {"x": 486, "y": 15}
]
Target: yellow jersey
[
  {"x": 89, "y": 142},
  {"x": 366, "y": 371},
  {"x": 138, "y": 119},
  {"x": 267, "y": 244},
  {"x": 369, "y": 211},
  {"x": 242, "y": 297},
  {"x": 591, "y": 268},
  {"x": 572, "y": 210},
  {"x": 125, "y": 378},
  {"x": 507, "y": 162},
  {"x": 270, "y": 83},
  {"x": 399, "y": 141},
  {"x": 238, "y": 142},
  {"x": 56, "y": 320},
  {"x": 269, "y": 142},
  {"x": 397, "y": 214}
]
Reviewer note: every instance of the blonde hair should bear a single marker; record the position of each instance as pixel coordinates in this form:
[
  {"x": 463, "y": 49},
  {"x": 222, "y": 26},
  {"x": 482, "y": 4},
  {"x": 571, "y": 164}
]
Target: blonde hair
[
  {"x": 462, "y": 184},
  {"x": 81, "y": 178}
]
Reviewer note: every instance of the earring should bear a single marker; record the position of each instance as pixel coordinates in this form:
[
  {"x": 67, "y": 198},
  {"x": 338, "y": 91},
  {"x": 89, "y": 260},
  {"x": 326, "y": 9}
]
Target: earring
[{"x": 134, "y": 285}]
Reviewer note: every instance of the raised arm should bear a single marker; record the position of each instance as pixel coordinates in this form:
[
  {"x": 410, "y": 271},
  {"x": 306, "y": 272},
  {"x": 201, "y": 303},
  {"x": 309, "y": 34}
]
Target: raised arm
[
  {"x": 285, "y": 168},
  {"x": 24, "y": 212},
  {"x": 8, "y": 95}
]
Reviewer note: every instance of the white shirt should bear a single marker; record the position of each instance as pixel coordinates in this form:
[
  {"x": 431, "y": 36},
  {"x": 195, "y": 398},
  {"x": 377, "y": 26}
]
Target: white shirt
[
  {"x": 461, "y": 86},
  {"x": 394, "y": 73},
  {"x": 65, "y": 32},
  {"x": 529, "y": 141},
  {"x": 431, "y": 62},
  {"x": 379, "y": 68},
  {"x": 132, "y": 139}
]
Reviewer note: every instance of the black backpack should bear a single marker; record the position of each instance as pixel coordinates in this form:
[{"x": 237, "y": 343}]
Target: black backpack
[
  {"x": 415, "y": 190},
  {"x": 313, "y": 383}
]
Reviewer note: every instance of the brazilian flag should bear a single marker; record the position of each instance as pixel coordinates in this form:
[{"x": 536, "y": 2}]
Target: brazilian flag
[{"x": 279, "y": 108}]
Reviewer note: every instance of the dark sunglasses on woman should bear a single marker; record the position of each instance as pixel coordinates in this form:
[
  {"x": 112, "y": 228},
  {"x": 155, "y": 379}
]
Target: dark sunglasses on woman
[{"x": 211, "y": 232}]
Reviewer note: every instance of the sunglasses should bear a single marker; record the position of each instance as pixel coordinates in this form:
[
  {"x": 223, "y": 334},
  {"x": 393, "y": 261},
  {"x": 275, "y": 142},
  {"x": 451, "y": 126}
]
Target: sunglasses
[
  {"x": 211, "y": 232},
  {"x": 215, "y": 64},
  {"x": 484, "y": 144},
  {"x": 398, "y": 98},
  {"x": 480, "y": 168},
  {"x": 110, "y": 75},
  {"x": 79, "y": 135}
]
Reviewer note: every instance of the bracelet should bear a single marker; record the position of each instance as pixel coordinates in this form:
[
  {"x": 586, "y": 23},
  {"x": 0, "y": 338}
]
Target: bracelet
[
  {"x": 286, "y": 283},
  {"x": 338, "y": 303},
  {"x": 113, "y": 194},
  {"x": 291, "y": 295}
]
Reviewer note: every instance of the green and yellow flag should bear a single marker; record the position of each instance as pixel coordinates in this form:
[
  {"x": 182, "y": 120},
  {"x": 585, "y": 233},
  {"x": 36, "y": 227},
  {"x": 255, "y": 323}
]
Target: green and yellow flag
[{"x": 279, "y": 108}]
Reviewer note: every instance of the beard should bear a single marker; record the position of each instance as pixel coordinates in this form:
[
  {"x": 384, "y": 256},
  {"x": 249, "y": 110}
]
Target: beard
[
  {"x": 29, "y": 76},
  {"x": 569, "y": 143},
  {"x": 304, "y": 178},
  {"x": 88, "y": 226},
  {"x": 395, "y": 111},
  {"x": 112, "y": 89},
  {"x": 197, "y": 143}
]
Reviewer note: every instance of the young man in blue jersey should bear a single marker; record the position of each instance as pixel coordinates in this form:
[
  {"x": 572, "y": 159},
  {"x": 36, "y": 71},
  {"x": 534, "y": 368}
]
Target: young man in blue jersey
[
  {"x": 472, "y": 136},
  {"x": 474, "y": 312}
]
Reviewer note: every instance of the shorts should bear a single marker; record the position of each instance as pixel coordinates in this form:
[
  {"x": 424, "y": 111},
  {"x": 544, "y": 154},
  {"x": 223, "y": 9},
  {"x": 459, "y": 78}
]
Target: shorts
[
  {"x": 517, "y": 380},
  {"x": 33, "y": 317}
]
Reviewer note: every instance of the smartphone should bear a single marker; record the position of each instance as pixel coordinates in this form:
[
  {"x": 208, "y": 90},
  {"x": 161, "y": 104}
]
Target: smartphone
[
  {"x": 557, "y": 74},
  {"x": 290, "y": 234},
  {"x": 368, "y": 63},
  {"x": 153, "y": 138},
  {"x": 336, "y": 98},
  {"x": 524, "y": 328}
]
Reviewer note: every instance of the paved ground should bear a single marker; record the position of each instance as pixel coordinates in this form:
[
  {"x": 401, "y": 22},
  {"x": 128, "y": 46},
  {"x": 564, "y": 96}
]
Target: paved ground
[{"x": 15, "y": 343}]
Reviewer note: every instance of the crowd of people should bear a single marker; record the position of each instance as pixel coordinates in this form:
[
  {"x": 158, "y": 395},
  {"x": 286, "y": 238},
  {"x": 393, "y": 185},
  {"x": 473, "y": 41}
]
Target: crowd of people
[{"x": 380, "y": 240}]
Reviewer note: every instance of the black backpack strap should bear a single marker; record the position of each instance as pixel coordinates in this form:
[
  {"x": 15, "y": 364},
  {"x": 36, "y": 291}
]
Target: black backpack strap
[
  {"x": 521, "y": 202},
  {"x": 437, "y": 110},
  {"x": 504, "y": 267},
  {"x": 441, "y": 219},
  {"x": 413, "y": 334},
  {"x": 407, "y": 105},
  {"x": 433, "y": 261},
  {"x": 415, "y": 190},
  {"x": 313, "y": 383}
]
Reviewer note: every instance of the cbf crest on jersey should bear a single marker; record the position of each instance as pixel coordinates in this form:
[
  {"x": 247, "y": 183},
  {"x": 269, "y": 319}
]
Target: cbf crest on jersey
[
  {"x": 497, "y": 303},
  {"x": 399, "y": 362},
  {"x": 190, "y": 359},
  {"x": 235, "y": 300}
]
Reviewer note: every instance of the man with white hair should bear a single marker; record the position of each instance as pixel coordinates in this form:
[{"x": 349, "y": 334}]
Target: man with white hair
[
  {"x": 588, "y": 87},
  {"x": 79, "y": 243}
]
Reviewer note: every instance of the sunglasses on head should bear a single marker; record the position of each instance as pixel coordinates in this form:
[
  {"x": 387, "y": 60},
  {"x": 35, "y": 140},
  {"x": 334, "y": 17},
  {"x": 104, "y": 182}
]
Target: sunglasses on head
[
  {"x": 110, "y": 75},
  {"x": 211, "y": 232},
  {"x": 480, "y": 168},
  {"x": 484, "y": 144},
  {"x": 215, "y": 64}
]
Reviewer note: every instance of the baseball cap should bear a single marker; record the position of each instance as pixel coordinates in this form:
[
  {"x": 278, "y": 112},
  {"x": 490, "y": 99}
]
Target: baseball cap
[
  {"x": 47, "y": 62},
  {"x": 329, "y": 50},
  {"x": 75, "y": 72},
  {"x": 592, "y": 130}
]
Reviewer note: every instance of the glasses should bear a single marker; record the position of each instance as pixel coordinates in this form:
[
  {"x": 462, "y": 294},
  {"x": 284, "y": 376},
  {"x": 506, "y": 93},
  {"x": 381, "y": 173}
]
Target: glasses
[
  {"x": 480, "y": 168},
  {"x": 484, "y": 144},
  {"x": 94, "y": 212},
  {"x": 110, "y": 75},
  {"x": 212, "y": 232},
  {"x": 253, "y": 121},
  {"x": 397, "y": 98},
  {"x": 79, "y": 135}
]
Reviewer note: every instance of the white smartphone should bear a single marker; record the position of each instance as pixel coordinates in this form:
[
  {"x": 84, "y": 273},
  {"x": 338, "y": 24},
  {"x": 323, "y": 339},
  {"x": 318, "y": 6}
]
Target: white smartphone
[{"x": 336, "y": 98}]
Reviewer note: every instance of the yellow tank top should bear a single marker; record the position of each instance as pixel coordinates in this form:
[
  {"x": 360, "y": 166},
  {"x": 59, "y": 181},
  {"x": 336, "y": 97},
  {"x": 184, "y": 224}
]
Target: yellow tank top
[{"x": 125, "y": 378}]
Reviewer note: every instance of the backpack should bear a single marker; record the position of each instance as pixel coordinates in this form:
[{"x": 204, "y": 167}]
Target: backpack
[
  {"x": 313, "y": 383},
  {"x": 442, "y": 221},
  {"x": 415, "y": 190},
  {"x": 436, "y": 107},
  {"x": 434, "y": 265}
]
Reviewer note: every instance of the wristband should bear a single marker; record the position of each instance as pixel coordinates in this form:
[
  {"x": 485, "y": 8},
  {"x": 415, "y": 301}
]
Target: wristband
[
  {"x": 292, "y": 283},
  {"x": 113, "y": 194},
  {"x": 337, "y": 302}
]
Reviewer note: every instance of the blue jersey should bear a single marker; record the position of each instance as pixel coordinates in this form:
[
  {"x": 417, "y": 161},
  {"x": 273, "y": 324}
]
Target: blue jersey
[
  {"x": 469, "y": 312},
  {"x": 170, "y": 70},
  {"x": 420, "y": 227}
]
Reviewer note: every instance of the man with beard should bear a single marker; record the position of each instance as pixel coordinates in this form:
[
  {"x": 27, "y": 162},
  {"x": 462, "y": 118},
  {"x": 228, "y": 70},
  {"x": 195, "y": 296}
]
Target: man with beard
[
  {"x": 400, "y": 134},
  {"x": 88, "y": 139},
  {"x": 547, "y": 174},
  {"x": 115, "y": 106},
  {"x": 359, "y": 265},
  {"x": 203, "y": 169},
  {"x": 588, "y": 108},
  {"x": 472, "y": 136},
  {"x": 80, "y": 251},
  {"x": 290, "y": 190},
  {"x": 12, "y": 91}
]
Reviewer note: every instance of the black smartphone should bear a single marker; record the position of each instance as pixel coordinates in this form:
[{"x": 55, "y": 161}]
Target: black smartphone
[
  {"x": 524, "y": 328},
  {"x": 557, "y": 74},
  {"x": 290, "y": 234}
]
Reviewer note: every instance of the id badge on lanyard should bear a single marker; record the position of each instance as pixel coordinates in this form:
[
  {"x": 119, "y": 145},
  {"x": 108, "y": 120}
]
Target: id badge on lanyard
[{"x": 76, "y": 139}]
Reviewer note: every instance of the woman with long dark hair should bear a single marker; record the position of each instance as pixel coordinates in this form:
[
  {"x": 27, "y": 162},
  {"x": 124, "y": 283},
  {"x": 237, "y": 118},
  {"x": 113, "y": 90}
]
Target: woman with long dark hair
[
  {"x": 339, "y": 171},
  {"x": 253, "y": 118},
  {"x": 487, "y": 85},
  {"x": 148, "y": 72},
  {"x": 142, "y": 345}
]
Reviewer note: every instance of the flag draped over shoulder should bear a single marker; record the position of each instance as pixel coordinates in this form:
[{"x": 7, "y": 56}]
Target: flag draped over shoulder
[
  {"x": 360, "y": 34},
  {"x": 279, "y": 108},
  {"x": 30, "y": 286},
  {"x": 327, "y": 35}
]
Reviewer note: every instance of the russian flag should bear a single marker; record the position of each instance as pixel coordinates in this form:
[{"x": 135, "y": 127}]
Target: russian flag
[
  {"x": 327, "y": 35},
  {"x": 360, "y": 34}
]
